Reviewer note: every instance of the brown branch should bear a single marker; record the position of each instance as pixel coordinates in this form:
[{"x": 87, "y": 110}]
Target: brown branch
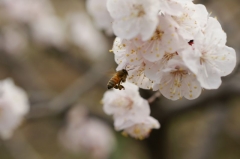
[
  {"x": 155, "y": 96},
  {"x": 72, "y": 93}
]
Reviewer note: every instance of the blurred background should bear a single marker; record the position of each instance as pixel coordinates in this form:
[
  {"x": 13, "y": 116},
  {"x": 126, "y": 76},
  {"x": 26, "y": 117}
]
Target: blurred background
[{"x": 55, "y": 51}]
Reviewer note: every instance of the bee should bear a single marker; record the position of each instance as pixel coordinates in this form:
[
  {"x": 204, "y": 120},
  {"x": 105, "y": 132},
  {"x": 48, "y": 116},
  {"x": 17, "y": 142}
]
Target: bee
[{"x": 118, "y": 77}]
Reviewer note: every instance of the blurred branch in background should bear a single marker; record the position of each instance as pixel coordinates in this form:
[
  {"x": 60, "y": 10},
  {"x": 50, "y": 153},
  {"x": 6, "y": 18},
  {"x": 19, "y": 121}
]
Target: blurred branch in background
[
  {"x": 23, "y": 71},
  {"x": 20, "y": 148},
  {"x": 208, "y": 144},
  {"x": 73, "y": 92}
]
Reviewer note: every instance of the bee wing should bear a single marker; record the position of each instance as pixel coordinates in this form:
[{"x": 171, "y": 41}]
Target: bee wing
[{"x": 110, "y": 72}]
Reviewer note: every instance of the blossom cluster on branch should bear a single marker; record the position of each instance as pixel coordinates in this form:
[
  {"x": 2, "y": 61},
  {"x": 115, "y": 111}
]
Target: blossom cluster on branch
[
  {"x": 170, "y": 45},
  {"x": 130, "y": 111}
]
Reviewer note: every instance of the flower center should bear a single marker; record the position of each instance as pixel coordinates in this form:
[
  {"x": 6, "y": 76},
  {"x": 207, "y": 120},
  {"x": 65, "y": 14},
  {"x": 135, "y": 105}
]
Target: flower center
[
  {"x": 157, "y": 35},
  {"x": 178, "y": 75},
  {"x": 179, "y": 71},
  {"x": 124, "y": 102},
  {"x": 202, "y": 60},
  {"x": 169, "y": 56},
  {"x": 181, "y": 19},
  {"x": 139, "y": 10}
]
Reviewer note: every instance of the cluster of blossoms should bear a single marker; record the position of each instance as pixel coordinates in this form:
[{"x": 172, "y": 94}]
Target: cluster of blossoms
[
  {"x": 87, "y": 135},
  {"x": 130, "y": 111},
  {"x": 173, "y": 46},
  {"x": 13, "y": 107}
]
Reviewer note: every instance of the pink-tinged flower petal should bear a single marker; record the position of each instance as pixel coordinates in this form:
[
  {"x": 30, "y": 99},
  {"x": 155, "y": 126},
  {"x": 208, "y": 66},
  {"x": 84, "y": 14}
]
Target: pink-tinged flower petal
[
  {"x": 173, "y": 7},
  {"x": 208, "y": 57},
  {"x": 132, "y": 18},
  {"x": 190, "y": 22},
  {"x": 142, "y": 129},
  {"x": 138, "y": 77},
  {"x": 192, "y": 87},
  {"x": 178, "y": 81},
  {"x": 226, "y": 60},
  {"x": 214, "y": 34},
  {"x": 164, "y": 40}
]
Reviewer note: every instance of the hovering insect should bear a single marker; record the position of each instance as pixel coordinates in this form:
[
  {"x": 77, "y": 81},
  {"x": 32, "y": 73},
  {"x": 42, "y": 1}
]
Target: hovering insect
[{"x": 118, "y": 77}]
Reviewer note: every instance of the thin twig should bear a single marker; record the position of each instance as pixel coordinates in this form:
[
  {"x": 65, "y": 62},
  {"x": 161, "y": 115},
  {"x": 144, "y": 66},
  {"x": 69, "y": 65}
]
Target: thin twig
[{"x": 155, "y": 96}]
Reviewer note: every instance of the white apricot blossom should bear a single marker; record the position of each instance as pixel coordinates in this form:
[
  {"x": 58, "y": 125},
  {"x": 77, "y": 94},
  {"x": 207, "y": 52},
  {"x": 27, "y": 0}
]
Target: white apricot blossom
[
  {"x": 126, "y": 52},
  {"x": 142, "y": 129},
  {"x": 209, "y": 58},
  {"x": 87, "y": 135},
  {"x": 186, "y": 51},
  {"x": 14, "y": 106},
  {"x": 190, "y": 22},
  {"x": 125, "y": 103},
  {"x": 129, "y": 110},
  {"x": 98, "y": 10},
  {"x": 154, "y": 69},
  {"x": 134, "y": 17},
  {"x": 178, "y": 81},
  {"x": 165, "y": 39},
  {"x": 173, "y": 7},
  {"x": 128, "y": 57},
  {"x": 138, "y": 76}
]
